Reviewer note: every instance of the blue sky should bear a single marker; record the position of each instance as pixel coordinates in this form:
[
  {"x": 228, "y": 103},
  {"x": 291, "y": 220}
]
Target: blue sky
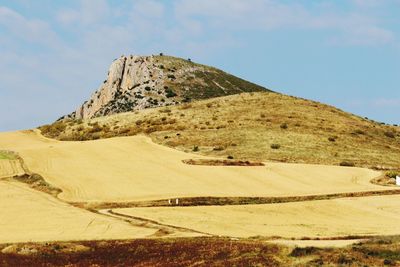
[{"x": 54, "y": 54}]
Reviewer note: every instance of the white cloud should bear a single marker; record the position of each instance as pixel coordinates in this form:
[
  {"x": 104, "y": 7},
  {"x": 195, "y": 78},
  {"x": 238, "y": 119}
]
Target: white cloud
[
  {"x": 89, "y": 12},
  {"x": 30, "y": 30},
  {"x": 352, "y": 28}
]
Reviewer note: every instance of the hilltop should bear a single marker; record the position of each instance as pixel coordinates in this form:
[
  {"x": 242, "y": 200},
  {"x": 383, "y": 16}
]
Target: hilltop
[
  {"x": 140, "y": 82},
  {"x": 252, "y": 126}
]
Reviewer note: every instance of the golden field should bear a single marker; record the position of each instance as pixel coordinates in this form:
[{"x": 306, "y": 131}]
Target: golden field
[
  {"x": 134, "y": 168},
  {"x": 365, "y": 216},
  {"x": 129, "y": 169},
  {"x": 31, "y": 216}
]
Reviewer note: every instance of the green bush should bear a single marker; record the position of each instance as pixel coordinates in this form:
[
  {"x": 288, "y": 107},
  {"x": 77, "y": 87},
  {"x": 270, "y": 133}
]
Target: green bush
[
  {"x": 275, "y": 146},
  {"x": 170, "y": 93},
  {"x": 284, "y": 126},
  {"x": 347, "y": 164}
]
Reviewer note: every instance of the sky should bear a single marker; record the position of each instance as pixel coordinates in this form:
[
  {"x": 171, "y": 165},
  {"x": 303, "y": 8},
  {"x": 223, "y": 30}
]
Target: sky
[{"x": 346, "y": 53}]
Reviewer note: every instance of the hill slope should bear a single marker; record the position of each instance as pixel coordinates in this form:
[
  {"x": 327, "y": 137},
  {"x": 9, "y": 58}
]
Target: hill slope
[
  {"x": 258, "y": 126},
  {"x": 139, "y": 82}
]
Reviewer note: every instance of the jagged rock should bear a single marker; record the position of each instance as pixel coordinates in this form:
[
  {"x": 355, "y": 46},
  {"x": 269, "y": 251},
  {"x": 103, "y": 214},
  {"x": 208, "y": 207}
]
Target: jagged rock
[{"x": 139, "y": 82}]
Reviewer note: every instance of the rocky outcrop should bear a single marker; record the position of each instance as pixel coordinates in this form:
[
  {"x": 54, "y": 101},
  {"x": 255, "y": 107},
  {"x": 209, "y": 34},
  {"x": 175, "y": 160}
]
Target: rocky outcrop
[
  {"x": 139, "y": 82},
  {"x": 133, "y": 83}
]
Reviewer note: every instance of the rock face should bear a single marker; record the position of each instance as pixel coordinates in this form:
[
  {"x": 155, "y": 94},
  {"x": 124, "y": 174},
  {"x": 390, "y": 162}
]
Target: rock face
[
  {"x": 133, "y": 83},
  {"x": 139, "y": 82}
]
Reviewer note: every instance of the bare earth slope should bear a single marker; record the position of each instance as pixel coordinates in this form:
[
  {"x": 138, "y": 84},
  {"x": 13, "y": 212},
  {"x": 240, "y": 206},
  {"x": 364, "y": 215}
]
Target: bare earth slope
[
  {"x": 134, "y": 168},
  {"x": 257, "y": 126}
]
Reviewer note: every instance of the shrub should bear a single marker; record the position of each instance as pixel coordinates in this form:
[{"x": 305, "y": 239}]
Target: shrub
[
  {"x": 301, "y": 252},
  {"x": 331, "y": 139},
  {"x": 275, "y": 146},
  {"x": 186, "y": 106},
  {"x": 389, "y": 134},
  {"x": 96, "y": 136},
  {"x": 96, "y": 128},
  {"x": 165, "y": 110},
  {"x": 195, "y": 149},
  {"x": 230, "y": 157},
  {"x": 218, "y": 148},
  {"x": 358, "y": 131},
  {"x": 124, "y": 131},
  {"x": 284, "y": 126},
  {"x": 347, "y": 164},
  {"x": 147, "y": 88},
  {"x": 170, "y": 93},
  {"x": 392, "y": 174}
]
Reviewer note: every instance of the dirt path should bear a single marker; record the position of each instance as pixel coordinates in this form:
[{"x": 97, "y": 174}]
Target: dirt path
[{"x": 164, "y": 230}]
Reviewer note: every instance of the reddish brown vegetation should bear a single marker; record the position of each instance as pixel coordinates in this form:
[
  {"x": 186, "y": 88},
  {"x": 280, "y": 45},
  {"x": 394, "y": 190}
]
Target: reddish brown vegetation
[
  {"x": 381, "y": 251},
  {"x": 219, "y": 162},
  {"x": 177, "y": 252}
]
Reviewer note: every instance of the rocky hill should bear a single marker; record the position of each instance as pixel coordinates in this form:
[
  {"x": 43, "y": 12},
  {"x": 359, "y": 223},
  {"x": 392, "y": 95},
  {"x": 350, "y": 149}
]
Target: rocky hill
[{"x": 140, "y": 82}]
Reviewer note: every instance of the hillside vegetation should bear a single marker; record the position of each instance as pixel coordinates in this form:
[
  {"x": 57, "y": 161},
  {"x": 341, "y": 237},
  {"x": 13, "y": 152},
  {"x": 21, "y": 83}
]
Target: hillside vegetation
[
  {"x": 252, "y": 126},
  {"x": 192, "y": 81}
]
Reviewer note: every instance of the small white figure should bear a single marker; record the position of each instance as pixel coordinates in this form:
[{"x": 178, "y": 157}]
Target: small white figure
[
  {"x": 177, "y": 201},
  {"x": 169, "y": 201},
  {"x": 398, "y": 180}
]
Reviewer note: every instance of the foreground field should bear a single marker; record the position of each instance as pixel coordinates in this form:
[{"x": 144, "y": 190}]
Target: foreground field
[
  {"x": 134, "y": 168},
  {"x": 29, "y": 215},
  {"x": 382, "y": 251},
  {"x": 325, "y": 218}
]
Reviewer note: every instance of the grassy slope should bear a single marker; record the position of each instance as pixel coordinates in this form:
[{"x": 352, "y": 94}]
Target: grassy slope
[
  {"x": 195, "y": 81},
  {"x": 245, "y": 126}
]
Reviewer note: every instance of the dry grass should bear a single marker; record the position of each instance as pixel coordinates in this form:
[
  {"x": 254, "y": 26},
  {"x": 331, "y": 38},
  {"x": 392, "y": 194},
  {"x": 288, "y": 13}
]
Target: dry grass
[{"x": 249, "y": 126}]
